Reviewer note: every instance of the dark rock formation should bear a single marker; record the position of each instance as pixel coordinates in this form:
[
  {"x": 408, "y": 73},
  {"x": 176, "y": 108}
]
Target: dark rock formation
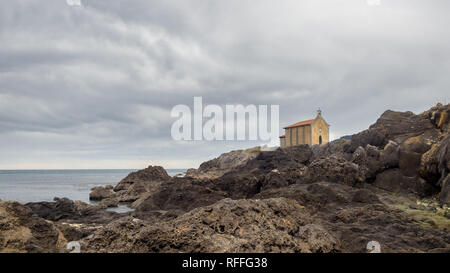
[
  {"x": 383, "y": 184},
  {"x": 181, "y": 194},
  {"x": 22, "y": 231},
  {"x": 335, "y": 169},
  {"x": 270, "y": 225},
  {"x": 67, "y": 210},
  {"x": 224, "y": 163},
  {"x": 399, "y": 126},
  {"x": 100, "y": 193},
  {"x": 394, "y": 180}
]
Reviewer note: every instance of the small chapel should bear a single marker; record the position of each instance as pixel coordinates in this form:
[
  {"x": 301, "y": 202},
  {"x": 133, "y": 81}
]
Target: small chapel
[{"x": 313, "y": 131}]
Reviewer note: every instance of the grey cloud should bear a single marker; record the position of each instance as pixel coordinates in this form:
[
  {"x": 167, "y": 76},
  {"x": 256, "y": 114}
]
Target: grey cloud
[{"x": 97, "y": 83}]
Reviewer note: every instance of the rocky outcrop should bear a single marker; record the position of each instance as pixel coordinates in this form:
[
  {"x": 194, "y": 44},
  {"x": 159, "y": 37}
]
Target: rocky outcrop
[
  {"x": 224, "y": 163},
  {"x": 270, "y": 225},
  {"x": 132, "y": 187},
  {"x": 335, "y": 169},
  {"x": 382, "y": 185},
  {"x": 445, "y": 191},
  {"x": 181, "y": 194},
  {"x": 399, "y": 126},
  {"x": 22, "y": 231},
  {"x": 394, "y": 180},
  {"x": 100, "y": 193},
  {"x": 356, "y": 216},
  {"x": 63, "y": 209}
]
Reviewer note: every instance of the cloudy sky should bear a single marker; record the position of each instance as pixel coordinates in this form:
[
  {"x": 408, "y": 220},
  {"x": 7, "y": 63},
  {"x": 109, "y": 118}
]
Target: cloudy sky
[{"x": 93, "y": 86}]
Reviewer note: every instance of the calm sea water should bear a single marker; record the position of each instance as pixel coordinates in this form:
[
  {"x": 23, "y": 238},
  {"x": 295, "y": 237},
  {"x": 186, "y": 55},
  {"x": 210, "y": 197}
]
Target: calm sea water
[{"x": 43, "y": 185}]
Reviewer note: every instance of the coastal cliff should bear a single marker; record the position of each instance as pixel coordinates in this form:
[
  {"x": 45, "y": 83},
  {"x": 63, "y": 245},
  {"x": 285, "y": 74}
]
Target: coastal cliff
[{"x": 389, "y": 183}]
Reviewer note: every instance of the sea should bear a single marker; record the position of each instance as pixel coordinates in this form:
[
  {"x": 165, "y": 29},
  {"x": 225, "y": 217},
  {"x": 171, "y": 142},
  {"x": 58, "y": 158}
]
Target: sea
[{"x": 43, "y": 185}]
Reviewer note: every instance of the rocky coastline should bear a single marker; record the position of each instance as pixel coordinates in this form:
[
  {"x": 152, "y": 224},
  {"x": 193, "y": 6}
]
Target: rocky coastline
[{"x": 389, "y": 183}]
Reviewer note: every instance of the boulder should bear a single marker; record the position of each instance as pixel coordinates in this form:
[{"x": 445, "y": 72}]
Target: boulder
[
  {"x": 394, "y": 180},
  {"x": 152, "y": 173},
  {"x": 335, "y": 169},
  {"x": 365, "y": 196},
  {"x": 399, "y": 126},
  {"x": 409, "y": 163},
  {"x": 224, "y": 163},
  {"x": 390, "y": 156},
  {"x": 179, "y": 194},
  {"x": 445, "y": 191},
  {"x": 148, "y": 180},
  {"x": 372, "y": 137},
  {"x": 100, "y": 193},
  {"x": 435, "y": 163}
]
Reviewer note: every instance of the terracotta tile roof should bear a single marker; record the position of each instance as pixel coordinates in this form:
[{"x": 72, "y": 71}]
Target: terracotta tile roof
[
  {"x": 301, "y": 123},
  {"x": 282, "y": 136}
]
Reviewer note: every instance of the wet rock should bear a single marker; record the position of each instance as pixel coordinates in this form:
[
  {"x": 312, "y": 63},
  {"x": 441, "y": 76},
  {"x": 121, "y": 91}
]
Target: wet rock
[
  {"x": 109, "y": 203},
  {"x": 66, "y": 210}
]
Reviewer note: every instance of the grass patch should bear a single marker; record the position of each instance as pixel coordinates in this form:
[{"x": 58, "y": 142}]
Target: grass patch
[{"x": 427, "y": 213}]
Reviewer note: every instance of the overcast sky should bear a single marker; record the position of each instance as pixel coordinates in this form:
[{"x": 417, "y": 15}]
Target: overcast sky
[{"x": 93, "y": 86}]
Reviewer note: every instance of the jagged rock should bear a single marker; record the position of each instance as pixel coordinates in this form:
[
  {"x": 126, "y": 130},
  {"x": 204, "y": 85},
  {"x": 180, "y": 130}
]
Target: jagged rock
[
  {"x": 445, "y": 191},
  {"x": 22, "y": 231},
  {"x": 435, "y": 164},
  {"x": 109, "y": 203},
  {"x": 270, "y": 225},
  {"x": 439, "y": 116},
  {"x": 365, "y": 196},
  {"x": 66, "y": 210},
  {"x": 100, "y": 193},
  {"x": 152, "y": 173},
  {"x": 394, "y": 180},
  {"x": 76, "y": 232},
  {"x": 327, "y": 149},
  {"x": 132, "y": 187},
  {"x": 359, "y": 156},
  {"x": 399, "y": 126},
  {"x": 335, "y": 169},
  {"x": 273, "y": 180},
  {"x": 390, "y": 156},
  {"x": 415, "y": 144},
  {"x": 356, "y": 216},
  {"x": 224, "y": 163},
  {"x": 409, "y": 163},
  {"x": 371, "y": 136},
  {"x": 180, "y": 194}
]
